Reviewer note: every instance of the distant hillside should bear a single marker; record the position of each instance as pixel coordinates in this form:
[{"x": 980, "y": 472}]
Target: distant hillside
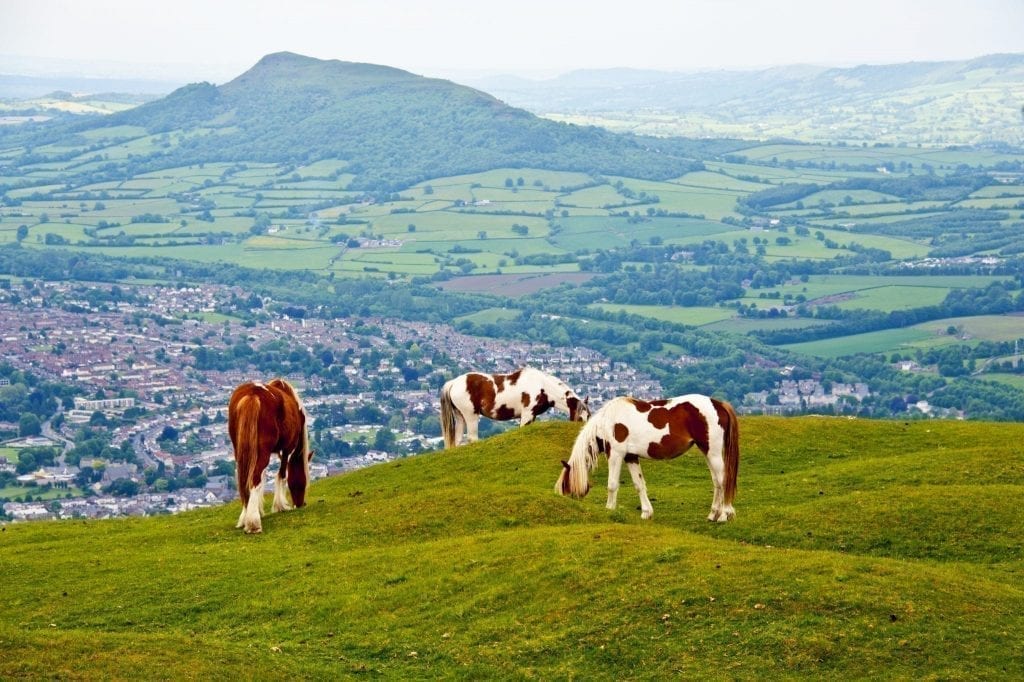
[
  {"x": 393, "y": 127},
  {"x": 31, "y": 87},
  {"x": 862, "y": 550},
  {"x": 970, "y": 101}
]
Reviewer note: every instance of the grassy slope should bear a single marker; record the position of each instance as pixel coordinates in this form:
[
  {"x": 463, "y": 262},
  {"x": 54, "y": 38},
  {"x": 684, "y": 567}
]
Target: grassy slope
[{"x": 861, "y": 549}]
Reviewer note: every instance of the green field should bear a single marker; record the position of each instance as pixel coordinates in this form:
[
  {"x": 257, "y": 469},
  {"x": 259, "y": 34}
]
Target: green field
[
  {"x": 1014, "y": 380},
  {"x": 925, "y": 335},
  {"x": 695, "y": 316},
  {"x": 490, "y": 315},
  {"x": 861, "y": 550},
  {"x": 874, "y": 292}
]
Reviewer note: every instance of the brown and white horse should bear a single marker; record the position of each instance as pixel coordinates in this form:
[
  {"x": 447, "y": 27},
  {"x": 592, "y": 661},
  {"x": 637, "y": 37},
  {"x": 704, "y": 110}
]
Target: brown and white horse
[
  {"x": 264, "y": 419},
  {"x": 525, "y": 393},
  {"x": 626, "y": 429}
]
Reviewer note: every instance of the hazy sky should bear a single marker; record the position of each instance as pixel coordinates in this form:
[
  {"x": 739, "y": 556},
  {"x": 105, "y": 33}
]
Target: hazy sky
[{"x": 214, "y": 40}]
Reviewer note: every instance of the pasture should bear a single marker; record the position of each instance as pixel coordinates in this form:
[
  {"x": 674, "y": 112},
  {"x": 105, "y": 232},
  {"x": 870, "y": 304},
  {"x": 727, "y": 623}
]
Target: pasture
[
  {"x": 970, "y": 330},
  {"x": 694, "y": 316},
  {"x": 468, "y": 565}
]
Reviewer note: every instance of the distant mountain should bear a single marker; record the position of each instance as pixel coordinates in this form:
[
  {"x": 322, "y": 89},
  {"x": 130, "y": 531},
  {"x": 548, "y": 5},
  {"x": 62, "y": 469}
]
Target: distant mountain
[
  {"x": 393, "y": 127},
  {"x": 976, "y": 100},
  {"x": 14, "y": 87}
]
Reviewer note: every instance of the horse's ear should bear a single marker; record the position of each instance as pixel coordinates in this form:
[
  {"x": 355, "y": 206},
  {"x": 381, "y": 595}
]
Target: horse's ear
[{"x": 586, "y": 401}]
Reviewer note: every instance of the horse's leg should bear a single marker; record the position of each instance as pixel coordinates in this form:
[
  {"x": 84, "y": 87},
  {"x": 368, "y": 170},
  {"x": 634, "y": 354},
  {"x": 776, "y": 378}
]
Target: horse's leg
[
  {"x": 254, "y": 508},
  {"x": 716, "y": 464},
  {"x": 614, "y": 471},
  {"x": 460, "y": 427},
  {"x": 472, "y": 427},
  {"x": 280, "y": 483},
  {"x": 646, "y": 510}
]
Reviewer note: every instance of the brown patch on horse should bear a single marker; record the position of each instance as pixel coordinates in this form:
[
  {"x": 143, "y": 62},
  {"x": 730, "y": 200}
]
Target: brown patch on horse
[
  {"x": 525, "y": 398},
  {"x": 514, "y": 377},
  {"x": 481, "y": 392},
  {"x": 543, "y": 403},
  {"x": 686, "y": 426},
  {"x": 621, "y": 432},
  {"x": 499, "y": 382},
  {"x": 658, "y": 417},
  {"x": 566, "y": 471},
  {"x": 640, "y": 405},
  {"x": 503, "y": 413}
]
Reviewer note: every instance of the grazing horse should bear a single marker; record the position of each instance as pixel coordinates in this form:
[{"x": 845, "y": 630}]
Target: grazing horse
[
  {"x": 264, "y": 419},
  {"x": 628, "y": 429},
  {"x": 525, "y": 393}
]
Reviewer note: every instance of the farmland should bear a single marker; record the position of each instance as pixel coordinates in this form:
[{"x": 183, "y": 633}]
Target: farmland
[
  {"x": 644, "y": 248},
  {"x": 260, "y": 214}
]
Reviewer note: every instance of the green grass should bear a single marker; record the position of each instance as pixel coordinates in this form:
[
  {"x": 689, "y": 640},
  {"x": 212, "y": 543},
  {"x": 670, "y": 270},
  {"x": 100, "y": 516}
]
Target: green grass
[
  {"x": 1014, "y": 380},
  {"x": 696, "y": 316},
  {"x": 861, "y": 550},
  {"x": 490, "y": 315},
  {"x": 971, "y": 330},
  {"x": 12, "y": 492}
]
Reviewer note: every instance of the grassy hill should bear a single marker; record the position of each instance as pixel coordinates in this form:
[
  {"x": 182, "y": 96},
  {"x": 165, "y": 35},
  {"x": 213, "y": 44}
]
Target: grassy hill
[
  {"x": 394, "y": 128},
  {"x": 968, "y": 101},
  {"x": 861, "y": 549}
]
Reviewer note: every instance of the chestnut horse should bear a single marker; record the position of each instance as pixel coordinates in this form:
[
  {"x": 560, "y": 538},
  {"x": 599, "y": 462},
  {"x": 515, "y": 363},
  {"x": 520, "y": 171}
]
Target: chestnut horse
[
  {"x": 525, "y": 393},
  {"x": 264, "y": 419},
  {"x": 626, "y": 429}
]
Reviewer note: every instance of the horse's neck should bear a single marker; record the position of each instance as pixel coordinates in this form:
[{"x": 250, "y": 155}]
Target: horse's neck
[{"x": 555, "y": 390}]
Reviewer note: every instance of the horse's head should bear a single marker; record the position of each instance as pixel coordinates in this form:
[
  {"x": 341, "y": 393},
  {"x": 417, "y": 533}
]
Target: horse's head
[
  {"x": 298, "y": 478},
  {"x": 567, "y": 484},
  {"x": 579, "y": 410}
]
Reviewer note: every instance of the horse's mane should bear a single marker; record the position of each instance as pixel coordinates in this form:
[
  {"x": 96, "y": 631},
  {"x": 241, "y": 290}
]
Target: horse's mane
[
  {"x": 585, "y": 454},
  {"x": 285, "y": 386}
]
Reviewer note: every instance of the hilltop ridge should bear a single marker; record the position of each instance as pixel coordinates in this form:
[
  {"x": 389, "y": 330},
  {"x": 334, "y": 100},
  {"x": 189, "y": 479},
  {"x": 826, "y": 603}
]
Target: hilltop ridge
[{"x": 393, "y": 127}]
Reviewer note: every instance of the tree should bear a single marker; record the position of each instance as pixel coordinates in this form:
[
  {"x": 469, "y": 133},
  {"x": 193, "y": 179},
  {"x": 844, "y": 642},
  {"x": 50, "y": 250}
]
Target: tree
[
  {"x": 22, "y": 232},
  {"x": 29, "y": 425},
  {"x": 123, "y": 486},
  {"x": 384, "y": 440}
]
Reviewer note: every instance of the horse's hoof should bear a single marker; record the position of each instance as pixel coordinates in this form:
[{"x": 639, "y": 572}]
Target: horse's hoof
[
  {"x": 646, "y": 514},
  {"x": 713, "y": 516}
]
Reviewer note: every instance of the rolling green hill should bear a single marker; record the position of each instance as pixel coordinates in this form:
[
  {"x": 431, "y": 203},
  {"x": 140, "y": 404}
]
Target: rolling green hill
[
  {"x": 862, "y": 549},
  {"x": 951, "y": 102},
  {"x": 394, "y": 128}
]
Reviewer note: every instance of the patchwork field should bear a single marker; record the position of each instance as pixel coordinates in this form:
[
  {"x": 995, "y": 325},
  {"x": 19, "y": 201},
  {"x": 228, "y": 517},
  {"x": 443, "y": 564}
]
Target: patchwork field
[{"x": 970, "y": 330}]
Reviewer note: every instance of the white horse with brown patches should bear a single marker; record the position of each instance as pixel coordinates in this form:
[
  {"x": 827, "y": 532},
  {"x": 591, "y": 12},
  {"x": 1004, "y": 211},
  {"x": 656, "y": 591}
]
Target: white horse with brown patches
[
  {"x": 626, "y": 429},
  {"x": 523, "y": 394}
]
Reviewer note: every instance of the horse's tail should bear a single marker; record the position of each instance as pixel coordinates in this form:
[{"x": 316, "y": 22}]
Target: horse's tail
[
  {"x": 448, "y": 416},
  {"x": 247, "y": 450},
  {"x": 731, "y": 453}
]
